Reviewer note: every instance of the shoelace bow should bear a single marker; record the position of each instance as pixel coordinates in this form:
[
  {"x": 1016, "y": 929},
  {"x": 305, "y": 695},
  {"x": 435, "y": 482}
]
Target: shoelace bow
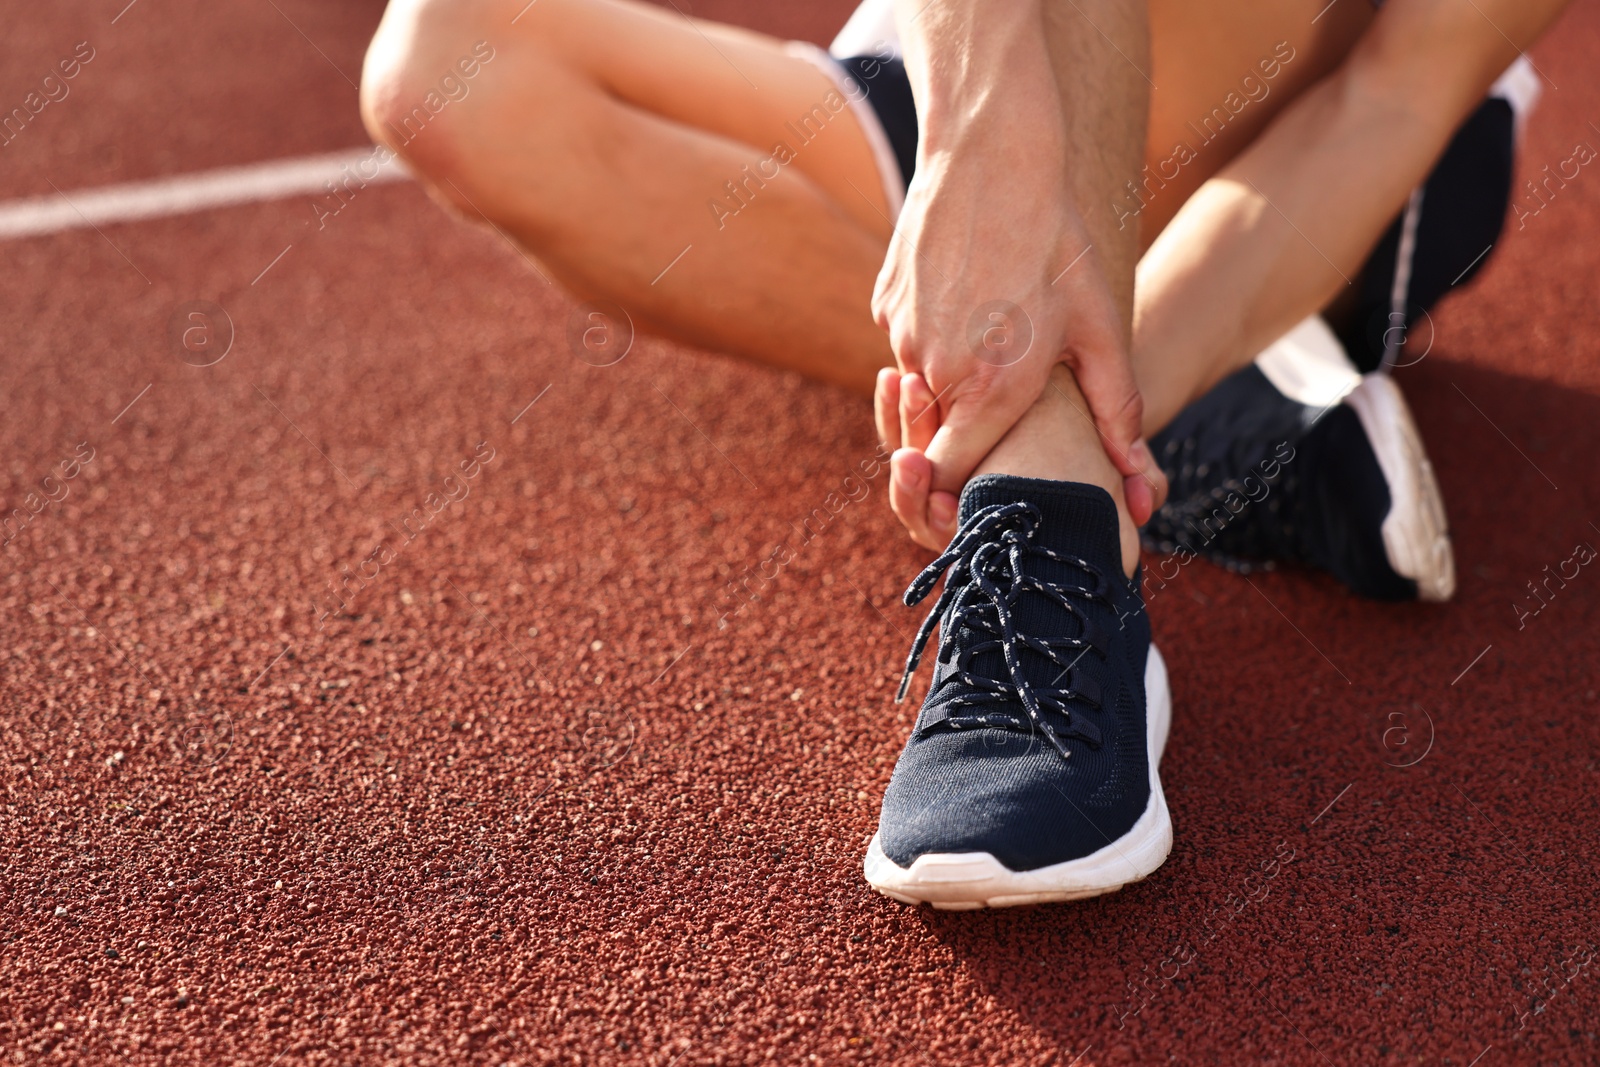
[{"x": 986, "y": 578}]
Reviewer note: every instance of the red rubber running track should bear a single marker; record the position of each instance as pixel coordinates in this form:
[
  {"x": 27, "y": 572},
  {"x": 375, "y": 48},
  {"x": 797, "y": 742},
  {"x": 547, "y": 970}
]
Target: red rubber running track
[{"x": 525, "y": 802}]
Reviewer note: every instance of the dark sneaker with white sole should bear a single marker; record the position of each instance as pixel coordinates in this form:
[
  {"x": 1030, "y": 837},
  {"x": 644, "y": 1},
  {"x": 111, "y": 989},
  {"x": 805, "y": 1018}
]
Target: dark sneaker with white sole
[
  {"x": 1334, "y": 476},
  {"x": 1030, "y": 775}
]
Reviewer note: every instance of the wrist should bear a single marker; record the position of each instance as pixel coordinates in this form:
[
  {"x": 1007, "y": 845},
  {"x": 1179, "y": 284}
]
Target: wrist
[
  {"x": 998, "y": 131},
  {"x": 975, "y": 79}
]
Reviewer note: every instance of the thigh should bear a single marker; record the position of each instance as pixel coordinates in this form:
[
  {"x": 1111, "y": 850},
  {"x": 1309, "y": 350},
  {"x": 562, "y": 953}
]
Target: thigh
[
  {"x": 742, "y": 85},
  {"x": 1222, "y": 70}
]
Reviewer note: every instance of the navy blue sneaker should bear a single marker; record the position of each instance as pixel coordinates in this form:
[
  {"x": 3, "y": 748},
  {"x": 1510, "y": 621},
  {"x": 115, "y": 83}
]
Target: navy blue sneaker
[
  {"x": 1299, "y": 458},
  {"x": 1031, "y": 773}
]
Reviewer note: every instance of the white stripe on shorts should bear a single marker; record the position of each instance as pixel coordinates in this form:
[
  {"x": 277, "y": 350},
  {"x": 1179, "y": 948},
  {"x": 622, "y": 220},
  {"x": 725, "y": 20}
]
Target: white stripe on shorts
[
  {"x": 869, "y": 31},
  {"x": 894, "y": 184}
]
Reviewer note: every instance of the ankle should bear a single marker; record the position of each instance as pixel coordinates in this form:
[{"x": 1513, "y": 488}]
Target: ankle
[{"x": 1057, "y": 440}]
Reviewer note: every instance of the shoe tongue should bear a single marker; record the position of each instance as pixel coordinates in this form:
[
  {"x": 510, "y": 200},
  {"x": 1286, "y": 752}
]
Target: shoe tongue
[{"x": 1076, "y": 519}]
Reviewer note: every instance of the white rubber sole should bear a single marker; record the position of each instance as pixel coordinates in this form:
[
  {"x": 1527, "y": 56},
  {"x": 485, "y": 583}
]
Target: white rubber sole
[
  {"x": 962, "y": 881},
  {"x": 1416, "y": 535}
]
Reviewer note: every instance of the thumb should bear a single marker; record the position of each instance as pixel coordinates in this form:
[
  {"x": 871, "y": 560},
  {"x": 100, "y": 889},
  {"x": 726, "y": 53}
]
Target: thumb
[
  {"x": 1118, "y": 413},
  {"x": 969, "y": 430}
]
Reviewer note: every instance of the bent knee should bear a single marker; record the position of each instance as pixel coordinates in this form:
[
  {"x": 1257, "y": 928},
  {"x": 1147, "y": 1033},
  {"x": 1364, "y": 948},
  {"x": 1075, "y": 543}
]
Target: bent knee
[
  {"x": 426, "y": 58},
  {"x": 447, "y": 92}
]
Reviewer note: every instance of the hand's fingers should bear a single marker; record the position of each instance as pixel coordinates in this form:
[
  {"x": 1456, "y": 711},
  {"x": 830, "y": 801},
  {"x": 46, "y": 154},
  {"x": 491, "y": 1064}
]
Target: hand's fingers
[
  {"x": 970, "y": 427},
  {"x": 886, "y": 407},
  {"x": 1146, "y": 489},
  {"x": 908, "y": 495},
  {"x": 1114, "y": 402},
  {"x": 1140, "y": 500},
  {"x": 1118, "y": 412},
  {"x": 942, "y": 509},
  {"x": 1158, "y": 485},
  {"x": 1144, "y": 494},
  {"x": 919, "y": 413}
]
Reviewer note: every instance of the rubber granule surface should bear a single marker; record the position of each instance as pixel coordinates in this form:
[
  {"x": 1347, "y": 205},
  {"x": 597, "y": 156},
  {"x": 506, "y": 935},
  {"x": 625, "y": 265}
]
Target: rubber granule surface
[{"x": 569, "y": 771}]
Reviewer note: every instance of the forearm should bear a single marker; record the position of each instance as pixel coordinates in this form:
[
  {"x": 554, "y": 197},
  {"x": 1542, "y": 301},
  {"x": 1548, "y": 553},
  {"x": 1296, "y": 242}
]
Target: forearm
[
  {"x": 993, "y": 278},
  {"x": 985, "y": 92}
]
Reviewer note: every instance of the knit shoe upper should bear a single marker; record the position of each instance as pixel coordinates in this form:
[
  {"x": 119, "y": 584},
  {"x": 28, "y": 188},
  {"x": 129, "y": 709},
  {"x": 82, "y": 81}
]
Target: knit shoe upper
[
  {"x": 1032, "y": 744},
  {"x": 1257, "y": 478}
]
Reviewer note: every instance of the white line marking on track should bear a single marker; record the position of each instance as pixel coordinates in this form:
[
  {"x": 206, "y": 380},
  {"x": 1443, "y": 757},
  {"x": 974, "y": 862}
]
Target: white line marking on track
[
  {"x": 89, "y": 222},
  {"x": 184, "y": 194}
]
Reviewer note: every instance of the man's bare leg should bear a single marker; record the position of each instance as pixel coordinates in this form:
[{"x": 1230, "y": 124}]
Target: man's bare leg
[
  {"x": 1031, "y": 774},
  {"x": 601, "y": 134},
  {"x": 601, "y": 130},
  {"x": 1098, "y": 49}
]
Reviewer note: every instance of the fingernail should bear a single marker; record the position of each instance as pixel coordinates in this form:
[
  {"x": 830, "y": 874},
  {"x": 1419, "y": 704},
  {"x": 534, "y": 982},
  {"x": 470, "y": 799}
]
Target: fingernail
[
  {"x": 942, "y": 514},
  {"x": 1140, "y": 455}
]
